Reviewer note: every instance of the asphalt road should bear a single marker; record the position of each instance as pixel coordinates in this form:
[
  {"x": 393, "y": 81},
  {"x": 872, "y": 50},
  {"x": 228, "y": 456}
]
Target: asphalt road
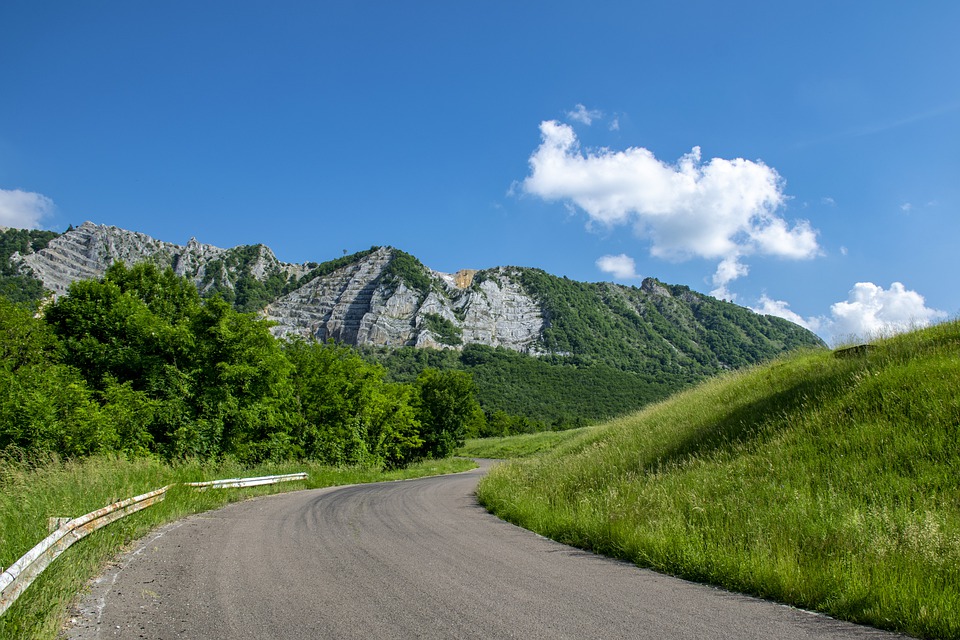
[{"x": 413, "y": 559}]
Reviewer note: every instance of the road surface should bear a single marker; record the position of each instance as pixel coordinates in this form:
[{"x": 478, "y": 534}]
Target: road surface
[{"x": 412, "y": 559}]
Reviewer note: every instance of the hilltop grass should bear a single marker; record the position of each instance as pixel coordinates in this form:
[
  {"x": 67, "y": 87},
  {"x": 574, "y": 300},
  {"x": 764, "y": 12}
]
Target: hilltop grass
[
  {"x": 519, "y": 446},
  {"x": 826, "y": 482},
  {"x": 29, "y": 494}
]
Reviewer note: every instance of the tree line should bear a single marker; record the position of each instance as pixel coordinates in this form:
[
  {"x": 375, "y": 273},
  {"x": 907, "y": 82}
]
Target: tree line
[{"x": 138, "y": 363}]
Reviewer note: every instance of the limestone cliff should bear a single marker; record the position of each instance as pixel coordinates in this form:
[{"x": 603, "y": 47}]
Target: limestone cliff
[
  {"x": 359, "y": 304},
  {"x": 86, "y": 251}
]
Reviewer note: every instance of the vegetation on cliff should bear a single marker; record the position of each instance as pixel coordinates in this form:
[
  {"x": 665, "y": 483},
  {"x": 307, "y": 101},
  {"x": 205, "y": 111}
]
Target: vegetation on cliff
[
  {"x": 14, "y": 285},
  {"x": 657, "y": 328}
]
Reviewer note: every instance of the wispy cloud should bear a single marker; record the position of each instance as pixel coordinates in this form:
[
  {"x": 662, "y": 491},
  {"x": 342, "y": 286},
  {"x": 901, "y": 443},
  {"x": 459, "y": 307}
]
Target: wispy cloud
[
  {"x": 24, "y": 209},
  {"x": 719, "y": 209},
  {"x": 581, "y": 114},
  {"x": 620, "y": 266},
  {"x": 868, "y": 312}
]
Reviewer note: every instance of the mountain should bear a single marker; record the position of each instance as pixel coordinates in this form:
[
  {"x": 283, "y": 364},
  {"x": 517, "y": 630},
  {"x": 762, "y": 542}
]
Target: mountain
[
  {"x": 385, "y": 297},
  {"x": 638, "y": 343}
]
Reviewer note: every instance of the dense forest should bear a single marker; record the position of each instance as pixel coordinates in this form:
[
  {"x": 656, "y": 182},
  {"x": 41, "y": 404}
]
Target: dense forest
[
  {"x": 524, "y": 394},
  {"x": 139, "y": 363}
]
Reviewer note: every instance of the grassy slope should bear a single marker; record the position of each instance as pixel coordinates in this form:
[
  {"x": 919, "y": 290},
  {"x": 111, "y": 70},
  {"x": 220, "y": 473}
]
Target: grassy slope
[
  {"x": 29, "y": 496},
  {"x": 826, "y": 482},
  {"x": 518, "y": 446}
]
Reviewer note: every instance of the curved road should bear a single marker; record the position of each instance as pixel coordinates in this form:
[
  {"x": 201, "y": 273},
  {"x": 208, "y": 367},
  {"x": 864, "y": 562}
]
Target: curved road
[{"x": 412, "y": 559}]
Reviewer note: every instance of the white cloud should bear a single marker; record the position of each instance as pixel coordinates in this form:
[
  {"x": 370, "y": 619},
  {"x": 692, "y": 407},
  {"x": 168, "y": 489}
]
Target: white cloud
[
  {"x": 781, "y": 309},
  {"x": 906, "y": 207},
  {"x": 621, "y": 266},
  {"x": 584, "y": 115},
  {"x": 869, "y": 311},
  {"x": 827, "y": 200},
  {"x": 23, "y": 209},
  {"x": 728, "y": 270},
  {"x": 615, "y": 124},
  {"x": 721, "y": 209}
]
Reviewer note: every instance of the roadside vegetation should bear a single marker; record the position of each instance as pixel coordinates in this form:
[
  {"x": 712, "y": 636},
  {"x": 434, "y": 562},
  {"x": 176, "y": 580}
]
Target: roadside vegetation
[
  {"x": 518, "y": 446},
  {"x": 826, "y": 480},
  {"x": 31, "y": 493},
  {"x": 138, "y": 364}
]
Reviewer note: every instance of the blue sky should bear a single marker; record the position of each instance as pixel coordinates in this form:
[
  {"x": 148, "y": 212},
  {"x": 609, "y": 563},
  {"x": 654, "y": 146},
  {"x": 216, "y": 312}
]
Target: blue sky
[{"x": 801, "y": 158}]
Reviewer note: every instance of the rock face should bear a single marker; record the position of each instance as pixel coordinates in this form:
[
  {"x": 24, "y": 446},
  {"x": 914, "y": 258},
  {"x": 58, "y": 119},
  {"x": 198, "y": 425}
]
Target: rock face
[
  {"x": 88, "y": 250},
  {"x": 357, "y": 304}
]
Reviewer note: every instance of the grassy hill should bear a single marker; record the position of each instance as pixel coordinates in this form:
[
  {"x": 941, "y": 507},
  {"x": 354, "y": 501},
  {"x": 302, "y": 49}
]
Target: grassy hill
[{"x": 827, "y": 480}]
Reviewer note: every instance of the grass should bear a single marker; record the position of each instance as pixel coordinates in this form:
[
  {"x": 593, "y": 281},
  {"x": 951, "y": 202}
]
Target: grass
[
  {"x": 826, "y": 482},
  {"x": 518, "y": 446},
  {"x": 31, "y": 494}
]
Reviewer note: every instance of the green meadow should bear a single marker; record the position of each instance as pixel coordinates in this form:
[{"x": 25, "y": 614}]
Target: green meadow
[
  {"x": 31, "y": 493},
  {"x": 518, "y": 446},
  {"x": 825, "y": 480}
]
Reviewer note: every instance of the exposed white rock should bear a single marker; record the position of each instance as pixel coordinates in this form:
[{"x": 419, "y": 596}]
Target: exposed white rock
[
  {"x": 88, "y": 250},
  {"x": 352, "y": 305}
]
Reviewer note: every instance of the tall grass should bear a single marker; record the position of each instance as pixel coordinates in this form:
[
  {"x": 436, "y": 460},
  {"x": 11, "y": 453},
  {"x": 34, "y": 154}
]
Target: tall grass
[
  {"x": 826, "y": 482},
  {"x": 518, "y": 446},
  {"x": 31, "y": 493}
]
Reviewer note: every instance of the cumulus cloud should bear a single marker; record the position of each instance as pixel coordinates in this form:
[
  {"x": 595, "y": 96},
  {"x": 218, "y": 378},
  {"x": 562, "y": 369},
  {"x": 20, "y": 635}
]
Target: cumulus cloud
[
  {"x": 581, "y": 114},
  {"x": 719, "y": 209},
  {"x": 868, "y": 312},
  {"x": 621, "y": 266},
  {"x": 871, "y": 310},
  {"x": 23, "y": 209}
]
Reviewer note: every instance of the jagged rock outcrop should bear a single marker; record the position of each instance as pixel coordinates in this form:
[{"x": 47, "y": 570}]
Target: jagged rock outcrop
[
  {"x": 88, "y": 250},
  {"x": 356, "y": 304}
]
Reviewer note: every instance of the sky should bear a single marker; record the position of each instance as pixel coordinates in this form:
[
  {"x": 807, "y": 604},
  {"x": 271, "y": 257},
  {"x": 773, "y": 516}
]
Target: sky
[{"x": 797, "y": 158}]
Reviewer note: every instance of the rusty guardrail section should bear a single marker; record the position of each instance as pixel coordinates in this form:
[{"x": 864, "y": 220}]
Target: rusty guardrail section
[
  {"x": 24, "y": 571},
  {"x": 247, "y": 482}
]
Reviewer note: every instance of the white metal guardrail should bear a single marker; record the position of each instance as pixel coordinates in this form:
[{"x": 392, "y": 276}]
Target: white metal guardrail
[
  {"x": 18, "y": 577},
  {"x": 247, "y": 482},
  {"x": 24, "y": 571}
]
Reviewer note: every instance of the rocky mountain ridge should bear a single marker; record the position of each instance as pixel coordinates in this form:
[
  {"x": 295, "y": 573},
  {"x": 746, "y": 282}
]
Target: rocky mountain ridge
[{"x": 386, "y": 298}]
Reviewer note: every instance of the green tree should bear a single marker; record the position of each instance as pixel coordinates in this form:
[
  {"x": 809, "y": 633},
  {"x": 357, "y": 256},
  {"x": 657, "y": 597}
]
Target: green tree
[
  {"x": 351, "y": 416},
  {"x": 447, "y": 408},
  {"x": 44, "y": 405},
  {"x": 243, "y": 389}
]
